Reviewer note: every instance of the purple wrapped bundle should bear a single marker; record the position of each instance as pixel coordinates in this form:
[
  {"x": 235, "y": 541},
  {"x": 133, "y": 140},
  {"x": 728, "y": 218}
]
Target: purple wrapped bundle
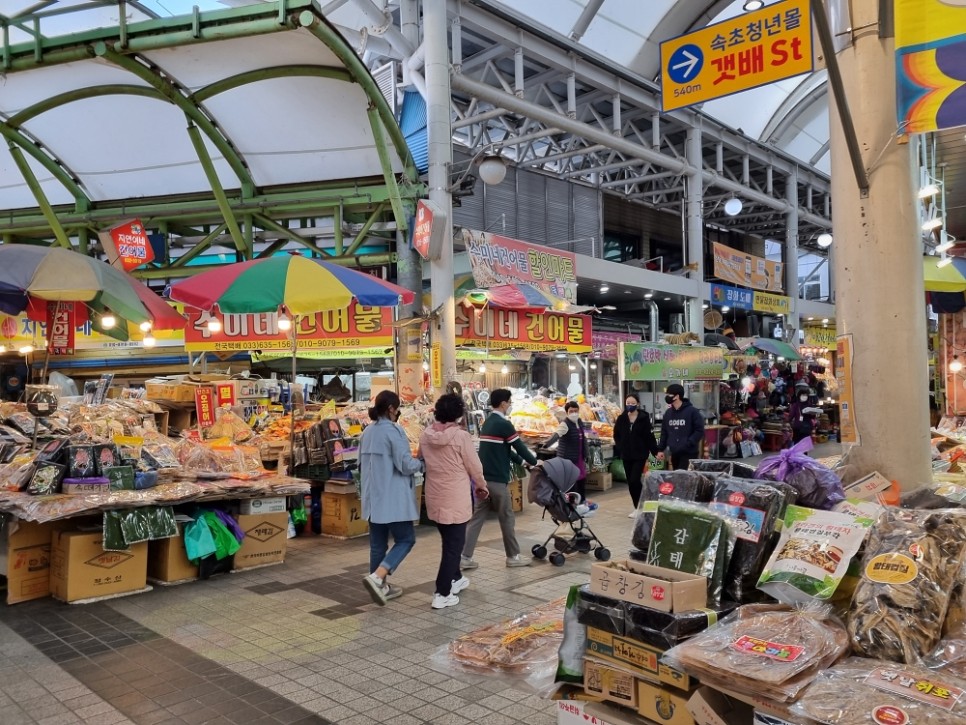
[{"x": 818, "y": 487}]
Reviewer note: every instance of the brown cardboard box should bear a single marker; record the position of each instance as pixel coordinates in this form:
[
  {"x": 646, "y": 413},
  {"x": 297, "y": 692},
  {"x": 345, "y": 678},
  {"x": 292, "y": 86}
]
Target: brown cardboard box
[
  {"x": 638, "y": 658},
  {"x": 663, "y": 705},
  {"x": 25, "y": 558},
  {"x": 663, "y": 589},
  {"x": 170, "y": 391},
  {"x": 610, "y": 684},
  {"x": 81, "y": 569},
  {"x": 599, "y": 482},
  {"x": 265, "y": 542},
  {"x": 710, "y": 707},
  {"x": 168, "y": 560},
  {"x": 342, "y": 515},
  {"x": 768, "y": 707},
  {"x": 515, "y": 489}
]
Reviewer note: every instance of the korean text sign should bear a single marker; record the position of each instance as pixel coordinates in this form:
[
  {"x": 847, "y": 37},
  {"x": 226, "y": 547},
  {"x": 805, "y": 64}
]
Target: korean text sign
[
  {"x": 737, "y": 267},
  {"x": 650, "y": 361},
  {"x": 355, "y": 326},
  {"x": 747, "y": 51},
  {"x": 497, "y": 260},
  {"x": 499, "y": 329}
]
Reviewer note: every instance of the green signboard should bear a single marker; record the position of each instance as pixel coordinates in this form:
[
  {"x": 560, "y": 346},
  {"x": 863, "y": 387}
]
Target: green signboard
[{"x": 650, "y": 361}]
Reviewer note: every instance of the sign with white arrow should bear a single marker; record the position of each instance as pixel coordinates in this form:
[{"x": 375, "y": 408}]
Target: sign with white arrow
[{"x": 743, "y": 52}]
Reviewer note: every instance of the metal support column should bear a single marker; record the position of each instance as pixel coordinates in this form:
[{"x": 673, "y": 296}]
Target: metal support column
[
  {"x": 438, "y": 99},
  {"x": 216, "y": 188},
  {"x": 695, "y": 226},
  {"x": 791, "y": 258},
  {"x": 38, "y": 192}
]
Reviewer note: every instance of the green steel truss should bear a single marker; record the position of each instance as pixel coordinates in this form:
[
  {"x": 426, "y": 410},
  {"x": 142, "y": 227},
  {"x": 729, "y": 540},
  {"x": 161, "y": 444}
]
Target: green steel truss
[{"x": 364, "y": 209}]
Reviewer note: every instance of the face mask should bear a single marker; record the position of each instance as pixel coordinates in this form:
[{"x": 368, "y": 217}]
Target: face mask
[
  {"x": 668, "y": 399},
  {"x": 630, "y": 408},
  {"x": 573, "y": 416},
  {"x": 508, "y": 410},
  {"x": 803, "y": 398},
  {"x": 395, "y": 416}
]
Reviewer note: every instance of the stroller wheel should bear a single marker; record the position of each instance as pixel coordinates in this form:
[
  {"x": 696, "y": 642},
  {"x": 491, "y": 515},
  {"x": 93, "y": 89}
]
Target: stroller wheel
[
  {"x": 602, "y": 554},
  {"x": 539, "y": 552},
  {"x": 557, "y": 559}
]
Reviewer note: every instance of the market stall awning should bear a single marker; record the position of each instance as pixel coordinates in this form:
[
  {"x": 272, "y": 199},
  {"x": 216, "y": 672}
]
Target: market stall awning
[
  {"x": 950, "y": 278},
  {"x": 776, "y": 347}
]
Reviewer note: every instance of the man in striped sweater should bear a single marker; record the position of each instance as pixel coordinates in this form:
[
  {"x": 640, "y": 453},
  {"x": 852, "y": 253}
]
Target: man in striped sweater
[{"x": 499, "y": 445}]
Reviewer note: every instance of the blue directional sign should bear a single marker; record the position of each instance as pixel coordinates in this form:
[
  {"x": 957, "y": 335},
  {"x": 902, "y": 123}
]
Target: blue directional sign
[{"x": 685, "y": 63}]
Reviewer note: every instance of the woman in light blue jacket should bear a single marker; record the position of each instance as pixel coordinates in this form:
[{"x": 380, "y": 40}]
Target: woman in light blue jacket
[{"x": 388, "y": 502}]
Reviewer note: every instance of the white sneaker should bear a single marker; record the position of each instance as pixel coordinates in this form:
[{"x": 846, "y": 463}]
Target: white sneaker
[
  {"x": 467, "y": 563},
  {"x": 459, "y": 585},
  {"x": 377, "y": 588},
  {"x": 441, "y": 602},
  {"x": 515, "y": 561}
]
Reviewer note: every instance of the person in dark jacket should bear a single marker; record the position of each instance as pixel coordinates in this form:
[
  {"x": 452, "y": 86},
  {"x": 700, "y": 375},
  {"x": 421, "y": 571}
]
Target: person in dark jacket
[
  {"x": 571, "y": 444},
  {"x": 633, "y": 443},
  {"x": 682, "y": 429},
  {"x": 801, "y": 415}
]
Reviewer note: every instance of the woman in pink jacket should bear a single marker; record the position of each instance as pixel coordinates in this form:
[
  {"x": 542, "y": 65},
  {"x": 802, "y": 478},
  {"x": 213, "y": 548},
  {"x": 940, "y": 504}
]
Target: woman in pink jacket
[{"x": 454, "y": 475}]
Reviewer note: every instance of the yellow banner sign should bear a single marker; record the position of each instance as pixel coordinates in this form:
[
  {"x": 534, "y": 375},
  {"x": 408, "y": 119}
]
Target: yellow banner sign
[
  {"x": 16, "y": 332},
  {"x": 848, "y": 426},
  {"x": 747, "y": 51},
  {"x": 767, "y": 302},
  {"x": 822, "y": 337},
  {"x": 741, "y": 268}
]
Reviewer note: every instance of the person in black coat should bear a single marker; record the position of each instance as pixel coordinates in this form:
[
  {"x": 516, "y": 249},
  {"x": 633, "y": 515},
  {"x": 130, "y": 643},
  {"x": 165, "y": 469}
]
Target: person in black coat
[
  {"x": 634, "y": 442},
  {"x": 571, "y": 444}
]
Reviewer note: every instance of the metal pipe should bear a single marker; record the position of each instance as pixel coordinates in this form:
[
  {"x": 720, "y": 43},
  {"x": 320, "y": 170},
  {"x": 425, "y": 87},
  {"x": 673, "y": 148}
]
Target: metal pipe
[
  {"x": 586, "y": 18},
  {"x": 654, "y": 319},
  {"x": 216, "y": 188},
  {"x": 38, "y": 192}
]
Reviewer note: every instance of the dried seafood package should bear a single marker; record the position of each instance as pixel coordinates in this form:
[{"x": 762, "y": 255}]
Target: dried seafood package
[
  {"x": 694, "y": 540},
  {"x": 909, "y": 571},
  {"x": 755, "y": 506},
  {"x": 813, "y": 555},
  {"x": 772, "y": 650},
  {"x": 663, "y": 485},
  {"x": 859, "y": 690}
]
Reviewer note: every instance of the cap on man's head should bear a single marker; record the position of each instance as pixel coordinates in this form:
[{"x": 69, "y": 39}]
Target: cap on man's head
[{"x": 675, "y": 389}]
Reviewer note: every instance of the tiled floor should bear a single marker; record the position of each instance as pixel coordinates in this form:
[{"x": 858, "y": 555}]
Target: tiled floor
[{"x": 296, "y": 643}]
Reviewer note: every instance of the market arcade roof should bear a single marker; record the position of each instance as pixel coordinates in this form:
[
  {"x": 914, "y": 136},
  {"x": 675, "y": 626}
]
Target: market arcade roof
[{"x": 261, "y": 110}]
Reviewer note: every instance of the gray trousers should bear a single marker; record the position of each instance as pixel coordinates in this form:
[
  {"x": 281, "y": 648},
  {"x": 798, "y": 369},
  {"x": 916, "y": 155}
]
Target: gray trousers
[{"x": 498, "y": 501}]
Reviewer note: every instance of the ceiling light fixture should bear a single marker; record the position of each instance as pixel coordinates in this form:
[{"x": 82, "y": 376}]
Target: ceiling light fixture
[
  {"x": 284, "y": 322},
  {"x": 149, "y": 341},
  {"x": 482, "y": 369},
  {"x": 26, "y": 349},
  {"x": 492, "y": 170},
  {"x": 752, "y": 5},
  {"x": 604, "y": 289},
  {"x": 824, "y": 320},
  {"x": 504, "y": 370},
  {"x": 824, "y": 240},
  {"x": 108, "y": 321},
  {"x": 931, "y": 224},
  {"x": 733, "y": 206},
  {"x": 145, "y": 326},
  {"x": 726, "y": 309},
  {"x": 955, "y": 365},
  {"x": 214, "y": 325},
  {"x": 649, "y": 295}
]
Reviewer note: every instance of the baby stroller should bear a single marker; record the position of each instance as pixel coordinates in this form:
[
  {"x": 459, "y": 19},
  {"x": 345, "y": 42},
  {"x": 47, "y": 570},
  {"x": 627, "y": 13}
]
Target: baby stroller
[{"x": 549, "y": 487}]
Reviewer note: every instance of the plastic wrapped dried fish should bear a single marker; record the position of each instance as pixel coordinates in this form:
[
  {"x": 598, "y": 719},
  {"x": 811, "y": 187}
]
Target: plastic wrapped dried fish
[
  {"x": 910, "y": 569},
  {"x": 859, "y": 690}
]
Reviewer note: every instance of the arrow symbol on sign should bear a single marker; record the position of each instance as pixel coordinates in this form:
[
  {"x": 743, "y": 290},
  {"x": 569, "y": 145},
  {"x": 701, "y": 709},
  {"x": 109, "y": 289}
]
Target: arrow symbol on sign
[{"x": 692, "y": 60}]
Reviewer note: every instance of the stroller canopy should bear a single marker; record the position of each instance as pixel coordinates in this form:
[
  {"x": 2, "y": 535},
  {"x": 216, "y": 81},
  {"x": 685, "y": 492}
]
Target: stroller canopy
[{"x": 556, "y": 474}]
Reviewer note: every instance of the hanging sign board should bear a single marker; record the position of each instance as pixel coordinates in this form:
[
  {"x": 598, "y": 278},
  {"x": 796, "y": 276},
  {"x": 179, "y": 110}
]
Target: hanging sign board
[
  {"x": 429, "y": 229},
  {"x": 499, "y": 329},
  {"x": 606, "y": 343},
  {"x": 60, "y": 328},
  {"x": 930, "y": 53},
  {"x": 823, "y": 337},
  {"x": 746, "y": 51},
  {"x": 747, "y": 270},
  {"x": 205, "y": 406},
  {"x": 497, "y": 260},
  {"x": 356, "y": 326},
  {"x": 127, "y": 245},
  {"x": 735, "y": 297},
  {"x": 848, "y": 427},
  {"x": 436, "y": 366},
  {"x": 775, "y": 304},
  {"x": 648, "y": 361}
]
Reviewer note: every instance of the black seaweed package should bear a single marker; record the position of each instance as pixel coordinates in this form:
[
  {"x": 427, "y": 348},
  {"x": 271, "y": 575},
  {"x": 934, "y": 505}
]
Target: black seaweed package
[
  {"x": 46, "y": 479},
  {"x": 755, "y": 506},
  {"x": 743, "y": 470},
  {"x": 53, "y": 451},
  {"x": 712, "y": 466},
  {"x": 667, "y": 629},
  {"x": 80, "y": 461},
  {"x": 659, "y": 486},
  {"x": 106, "y": 456},
  {"x": 121, "y": 478},
  {"x": 600, "y": 612}
]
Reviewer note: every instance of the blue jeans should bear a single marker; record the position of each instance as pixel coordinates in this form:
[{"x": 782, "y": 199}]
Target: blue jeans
[{"x": 403, "y": 538}]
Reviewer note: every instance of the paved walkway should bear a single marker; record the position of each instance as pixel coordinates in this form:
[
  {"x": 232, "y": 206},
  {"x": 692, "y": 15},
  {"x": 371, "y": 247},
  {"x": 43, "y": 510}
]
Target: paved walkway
[{"x": 296, "y": 643}]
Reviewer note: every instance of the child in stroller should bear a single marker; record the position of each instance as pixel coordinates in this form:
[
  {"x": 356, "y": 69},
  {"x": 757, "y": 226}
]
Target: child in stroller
[{"x": 549, "y": 486}]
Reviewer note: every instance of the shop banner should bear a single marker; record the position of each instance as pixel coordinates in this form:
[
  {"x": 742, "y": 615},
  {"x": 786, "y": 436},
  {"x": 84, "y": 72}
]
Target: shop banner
[
  {"x": 498, "y": 329},
  {"x": 746, "y": 269},
  {"x": 61, "y": 323},
  {"x": 823, "y": 337},
  {"x": 436, "y": 366},
  {"x": 497, "y": 260},
  {"x": 351, "y": 353},
  {"x": 15, "y": 332},
  {"x": 848, "y": 426},
  {"x": 775, "y": 304},
  {"x": 127, "y": 245},
  {"x": 205, "y": 405},
  {"x": 356, "y": 326},
  {"x": 739, "y": 299},
  {"x": 651, "y": 361},
  {"x": 225, "y": 393},
  {"x": 607, "y": 344},
  {"x": 930, "y": 56},
  {"x": 429, "y": 229}
]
